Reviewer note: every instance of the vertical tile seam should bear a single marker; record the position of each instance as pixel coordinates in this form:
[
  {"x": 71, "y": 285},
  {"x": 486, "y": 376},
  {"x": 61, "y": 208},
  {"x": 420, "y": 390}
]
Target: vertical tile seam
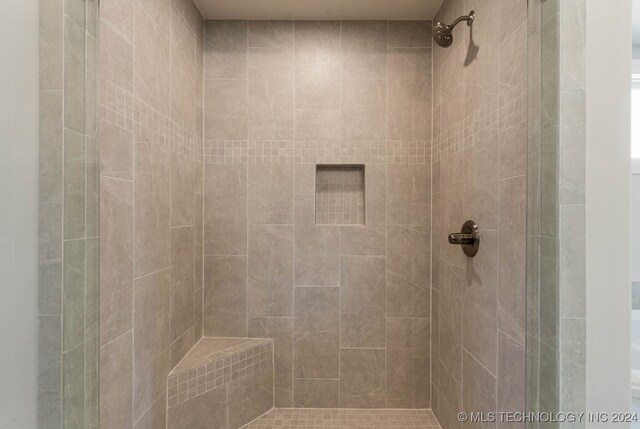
[
  {"x": 133, "y": 231},
  {"x": 339, "y": 239},
  {"x": 431, "y": 253},
  {"x": 293, "y": 246},
  {"x": 246, "y": 193},
  {"x": 63, "y": 258},
  {"x": 386, "y": 246}
]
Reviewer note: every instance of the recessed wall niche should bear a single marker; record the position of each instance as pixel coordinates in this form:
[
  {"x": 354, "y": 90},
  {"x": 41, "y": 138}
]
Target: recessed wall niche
[{"x": 340, "y": 194}]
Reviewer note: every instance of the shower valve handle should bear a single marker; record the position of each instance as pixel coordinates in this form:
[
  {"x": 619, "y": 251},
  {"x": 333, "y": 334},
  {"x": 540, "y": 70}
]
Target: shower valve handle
[
  {"x": 460, "y": 238},
  {"x": 468, "y": 238}
]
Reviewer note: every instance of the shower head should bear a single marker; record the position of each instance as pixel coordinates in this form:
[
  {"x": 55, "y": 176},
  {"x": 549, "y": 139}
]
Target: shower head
[{"x": 443, "y": 33}]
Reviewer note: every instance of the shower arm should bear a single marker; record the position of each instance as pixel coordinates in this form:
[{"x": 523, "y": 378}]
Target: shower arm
[{"x": 469, "y": 18}]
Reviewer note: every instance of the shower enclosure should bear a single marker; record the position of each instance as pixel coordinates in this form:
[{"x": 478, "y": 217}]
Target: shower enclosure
[{"x": 233, "y": 218}]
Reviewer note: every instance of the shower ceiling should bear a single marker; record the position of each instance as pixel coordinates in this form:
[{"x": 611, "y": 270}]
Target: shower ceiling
[{"x": 320, "y": 10}]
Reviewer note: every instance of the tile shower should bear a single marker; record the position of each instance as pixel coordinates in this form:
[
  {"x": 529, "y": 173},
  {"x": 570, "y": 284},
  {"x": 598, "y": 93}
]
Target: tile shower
[{"x": 295, "y": 181}]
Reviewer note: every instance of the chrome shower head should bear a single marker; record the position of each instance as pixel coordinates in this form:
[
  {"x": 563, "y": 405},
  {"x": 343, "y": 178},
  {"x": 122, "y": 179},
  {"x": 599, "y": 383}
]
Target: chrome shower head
[{"x": 443, "y": 33}]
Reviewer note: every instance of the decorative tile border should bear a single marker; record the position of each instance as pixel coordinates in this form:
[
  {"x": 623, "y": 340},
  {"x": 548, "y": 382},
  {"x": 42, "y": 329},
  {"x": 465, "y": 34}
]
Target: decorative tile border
[
  {"x": 501, "y": 113},
  {"x": 120, "y": 108},
  {"x": 226, "y": 367},
  {"x": 317, "y": 152},
  {"x": 334, "y": 418}
]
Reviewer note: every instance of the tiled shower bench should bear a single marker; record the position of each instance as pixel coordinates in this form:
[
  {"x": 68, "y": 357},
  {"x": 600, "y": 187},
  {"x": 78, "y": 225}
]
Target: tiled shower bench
[{"x": 222, "y": 383}]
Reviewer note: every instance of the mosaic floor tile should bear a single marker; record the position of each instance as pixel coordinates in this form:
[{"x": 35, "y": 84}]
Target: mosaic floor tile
[{"x": 331, "y": 418}]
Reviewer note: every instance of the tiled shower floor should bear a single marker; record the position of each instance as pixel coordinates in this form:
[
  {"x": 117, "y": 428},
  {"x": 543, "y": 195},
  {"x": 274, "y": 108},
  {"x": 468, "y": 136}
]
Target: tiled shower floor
[{"x": 334, "y": 418}]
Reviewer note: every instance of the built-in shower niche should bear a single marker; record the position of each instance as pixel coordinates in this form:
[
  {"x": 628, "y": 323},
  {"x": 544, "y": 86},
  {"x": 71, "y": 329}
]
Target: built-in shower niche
[{"x": 340, "y": 194}]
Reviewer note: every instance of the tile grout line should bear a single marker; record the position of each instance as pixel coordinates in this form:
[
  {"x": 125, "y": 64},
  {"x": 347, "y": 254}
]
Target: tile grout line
[
  {"x": 293, "y": 247},
  {"x": 133, "y": 229}
]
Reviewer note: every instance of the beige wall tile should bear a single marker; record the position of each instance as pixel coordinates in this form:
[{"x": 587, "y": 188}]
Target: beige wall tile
[
  {"x": 116, "y": 258},
  {"x": 225, "y": 49},
  {"x": 152, "y": 45},
  {"x": 573, "y": 256},
  {"x": 407, "y": 379},
  {"x": 190, "y": 13},
  {"x": 50, "y": 258},
  {"x": 270, "y": 199},
  {"x": 225, "y": 109},
  {"x": 513, "y": 143},
  {"x": 50, "y": 152},
  {"x": 183, "y": 188},
  {"x": 116, "y": 52},
  {"x": 572, "y": 148},
  {"x": 511, "y": 375},
  {"x": 305, "y": 179},
  {"x": 316, "y": 332},
  {"x": 271, "y": 92},
  {"x": 364, "y": 109},
  {"x": 408, "y": 190},
  {"x": 317, "y": 61},
  {"x": 204, "y": 411},
  {"x": 156, "y": 415},
  {"x": 479, "y": 392},
  {"x": 512, "y": 15},
  {"x": 480, "y": 325},
  {"x": 316, "y": 248},
  {"x": 73, "y": 411},
  {"x": 151, "y": 358},
  {"x": 74, "y": 75},
  {"x": 364, "y": 46},
  {"x": 271, "y": 34},
  {"x": 225, "y": 210},
  {"x": 182, "y": 305},
  {"x": 316, "y": 393},
  {"x": 513, "y": 58},
  {"x": 73, "y": 297},
  {"x": 512, "y": 258},
  {"x": 225, "y": 296},
  {"x": 183, "y": 66},
  {"x": 249, "y": 398},
  {"x": 375, "y": 183},
  {"x": 362, "y": 302},
  {"x": 270, "y": 271},
  {"x": 119, "y": 14},
  {"x": 281, "y": 330},
  {"x": 407, "y": 370},
  {"x": 409, "y": 34},
  {"x": 74, "y": 184},
  {"x": 51, "y": 44},
  {"x": 159, "y": 11},
  {"x": 409, "y": 93},
  {"x": 481, "y": 171},
  {"x": 367, "y": 240},
  {"x": 317, "y": 124},
  {"x": 92, "y": 187},
  {"x": 182, "y": 345},
  {"x": 572, "y": 45},
  {"x": 116, "y": 383},
  {"x": 482, "y": 70},
  {"x": 408, "y": 265},
  {"x": 116, "y": 151},
  {"x": 49, "y": 372},
  {"x": 152, "y": 207},
  {"x": 451, "y": 318},
  {"x": 362, "y": 378}
]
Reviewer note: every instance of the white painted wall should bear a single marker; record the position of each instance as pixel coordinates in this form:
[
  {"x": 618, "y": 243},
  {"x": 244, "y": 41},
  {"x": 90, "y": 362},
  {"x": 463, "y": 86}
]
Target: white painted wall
[
  {"x": 607, "y": 216},
  {"x": 18, "y": 212},
  {"x": 635, "y": 221}
]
